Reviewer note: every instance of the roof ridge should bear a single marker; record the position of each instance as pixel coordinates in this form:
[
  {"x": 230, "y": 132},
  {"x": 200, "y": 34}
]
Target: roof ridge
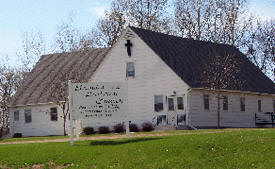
[{"x": 182, "y": 38}]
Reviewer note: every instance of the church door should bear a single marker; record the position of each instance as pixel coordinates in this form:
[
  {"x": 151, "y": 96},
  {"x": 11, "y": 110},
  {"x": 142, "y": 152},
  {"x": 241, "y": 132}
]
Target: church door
[{"x": 172, "y": 107}]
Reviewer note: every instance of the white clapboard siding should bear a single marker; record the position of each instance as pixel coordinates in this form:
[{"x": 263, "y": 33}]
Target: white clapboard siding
[
  {"x": 41, "y": 124},
  {"x": 232, "y": 117},
  {"x": 152, "y": 77}
]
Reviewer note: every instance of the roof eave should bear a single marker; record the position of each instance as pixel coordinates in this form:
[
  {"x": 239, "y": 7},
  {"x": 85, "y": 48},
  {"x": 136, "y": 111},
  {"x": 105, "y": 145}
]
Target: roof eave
[{"x": 234, "y": 91}]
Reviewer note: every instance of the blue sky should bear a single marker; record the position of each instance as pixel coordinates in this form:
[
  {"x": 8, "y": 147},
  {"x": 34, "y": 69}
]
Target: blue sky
[{"x": 18, "y": 16}]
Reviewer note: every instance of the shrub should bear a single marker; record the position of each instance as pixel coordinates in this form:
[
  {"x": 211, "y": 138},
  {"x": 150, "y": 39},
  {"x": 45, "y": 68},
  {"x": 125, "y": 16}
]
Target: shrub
[
  {"x": 133, "y": 127},
  {"x": 119, "y": 128},
  {"x": 17, "y": 135},
  {"x": 147, "y": 126},
  {"x": 88, "y": 130},
  {"x": 103, "y": 130}
]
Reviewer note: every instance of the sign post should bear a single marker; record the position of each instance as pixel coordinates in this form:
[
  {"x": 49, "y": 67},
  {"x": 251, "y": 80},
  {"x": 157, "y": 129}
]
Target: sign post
[
  {"x": 99, "y": 102},
  {"x": 70, "y": 113}
]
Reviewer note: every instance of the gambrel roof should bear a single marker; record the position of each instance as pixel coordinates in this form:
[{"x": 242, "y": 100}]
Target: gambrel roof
[
  {"x": 186, "y": 58},
  {"x": 36, "y": 86}
]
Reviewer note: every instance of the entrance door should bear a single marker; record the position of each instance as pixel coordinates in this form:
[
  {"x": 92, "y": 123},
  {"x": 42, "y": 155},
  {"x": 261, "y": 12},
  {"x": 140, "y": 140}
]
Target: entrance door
[
  {"x": 171, "y": 115},
  {"x": 176, "y": 114}
]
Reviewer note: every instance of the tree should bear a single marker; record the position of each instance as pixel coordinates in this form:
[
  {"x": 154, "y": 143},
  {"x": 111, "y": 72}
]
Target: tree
[
  {"x": 149, "y": 14},
  {"x": 259, "y": 46},
  {"x": 110, "y": 27},
  {"x": 191, "y": 18},
  {"x": 221, "y": 71},
  {"x": 59, "y": 91},
  {"x": 146, "y": 14},
  {"x": 68, "y": 38},
  {"x": 10, "y": 81},
  {"x": 33, "y": 46},
  {"x": 220, "y": 21}
]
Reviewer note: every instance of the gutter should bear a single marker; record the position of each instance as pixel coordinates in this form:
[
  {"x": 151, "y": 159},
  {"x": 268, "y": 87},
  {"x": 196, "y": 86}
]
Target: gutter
[{"x": 234, "y": 91}]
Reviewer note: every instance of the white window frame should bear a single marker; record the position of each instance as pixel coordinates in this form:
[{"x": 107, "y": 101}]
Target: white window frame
[
  {"x": 204, "y": 96},
  {"x": 26, "y": 111},
  {"x": 16, "y": 115},
  {"x": 162, "y": 98},
  {"x": 51, "y": 113},
  {"x": 223, "y": 103},
  {"x": 133, "y": 72},
  {"x": 182, "y": 103},
  {"x": 174, "y": 105},
  {"x": 242, "y": 103}
]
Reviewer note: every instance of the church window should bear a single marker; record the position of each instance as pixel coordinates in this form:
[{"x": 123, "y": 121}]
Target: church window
[
  {"x": 171, "y": 105},
  {"x": 242, "y": 103},
  {"x": 158, "y": 103},
  {"x": 28, "y": 116},
  {"x": 16, "y": 115},
  {"x": 206, "y": 101},
  {"x": 130, "y": 69},
  {"x": 54, "y": 116},
  {"x": 225, "y": 103},
  {"x": 259, "y": 105},
  {"x": 180, "y": 103}
]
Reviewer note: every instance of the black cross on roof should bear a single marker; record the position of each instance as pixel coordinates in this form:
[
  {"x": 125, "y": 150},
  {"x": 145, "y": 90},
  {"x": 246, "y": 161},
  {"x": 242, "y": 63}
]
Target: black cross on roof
[{"x": 128, "y": 45}]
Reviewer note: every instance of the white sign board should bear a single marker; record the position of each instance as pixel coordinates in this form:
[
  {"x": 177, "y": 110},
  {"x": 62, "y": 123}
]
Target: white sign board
[{"x": 97, "y": 101}]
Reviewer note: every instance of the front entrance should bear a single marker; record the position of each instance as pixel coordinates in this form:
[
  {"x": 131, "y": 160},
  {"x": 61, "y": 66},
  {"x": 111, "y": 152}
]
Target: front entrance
[
  {"x": 175, "y": 110},
  {"x": 171, "y": 115}
]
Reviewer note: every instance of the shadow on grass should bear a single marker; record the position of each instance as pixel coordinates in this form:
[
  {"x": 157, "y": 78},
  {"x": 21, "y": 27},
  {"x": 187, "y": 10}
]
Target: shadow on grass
[{"x": 111, "y": 142}]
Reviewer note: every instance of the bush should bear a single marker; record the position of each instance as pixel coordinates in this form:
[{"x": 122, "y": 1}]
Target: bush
[
  {"x": 17, "y": 135},
  {"x": 88, "y": 130},
  {"x": 133, "y": 127},
  {"x": 103, "y": 130},
  {"x": 147, "y": 126},
  {"x": 119, "y": 128}
]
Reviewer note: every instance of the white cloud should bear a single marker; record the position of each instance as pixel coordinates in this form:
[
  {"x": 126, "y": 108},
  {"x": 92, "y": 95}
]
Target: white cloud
[{"x": 98, "y": 11}]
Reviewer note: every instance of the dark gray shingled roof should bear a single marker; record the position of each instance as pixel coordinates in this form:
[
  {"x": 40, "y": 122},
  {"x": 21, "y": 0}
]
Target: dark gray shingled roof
[
  {"x": 186, "y": 58},
  {"x": 35, "y": 88}
]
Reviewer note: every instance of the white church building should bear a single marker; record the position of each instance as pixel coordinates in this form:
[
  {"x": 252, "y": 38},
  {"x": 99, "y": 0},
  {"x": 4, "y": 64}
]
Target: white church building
[{"x": 164, "y": 85}]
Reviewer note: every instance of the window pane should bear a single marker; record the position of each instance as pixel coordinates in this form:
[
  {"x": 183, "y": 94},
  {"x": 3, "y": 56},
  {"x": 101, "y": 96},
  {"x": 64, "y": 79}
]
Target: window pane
[
  {"x": 242, "y": 101},
  {"x": 158, "y": 103},
  {"x": 16, "y": 115},
  {"x": 28, "y": 116},
  {"x": 180, "y": 103},
  {"x": 161, "y": 120},
  {"x": 259, "y": 105},
  {"x": 206, "y": 101},
  {"x": 130, "y": 69},
  {"x": 274, "y": 105},
  {"x": 54, "y": 114},
  {"x": 171, "y": 104},
  {"x": 225, "y": 103}
]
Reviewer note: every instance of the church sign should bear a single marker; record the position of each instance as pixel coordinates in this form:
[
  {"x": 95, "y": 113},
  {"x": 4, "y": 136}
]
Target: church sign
[{"x": 98, "y": 101}]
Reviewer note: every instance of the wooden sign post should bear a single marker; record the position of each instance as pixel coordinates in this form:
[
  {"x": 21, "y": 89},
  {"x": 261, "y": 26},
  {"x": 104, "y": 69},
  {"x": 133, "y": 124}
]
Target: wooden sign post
[{"x": 98, "y": 101}]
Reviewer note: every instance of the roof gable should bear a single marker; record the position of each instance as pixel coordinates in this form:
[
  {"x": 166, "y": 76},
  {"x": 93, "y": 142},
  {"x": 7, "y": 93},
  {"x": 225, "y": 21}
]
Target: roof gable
[{"x": 186, "y": 58}]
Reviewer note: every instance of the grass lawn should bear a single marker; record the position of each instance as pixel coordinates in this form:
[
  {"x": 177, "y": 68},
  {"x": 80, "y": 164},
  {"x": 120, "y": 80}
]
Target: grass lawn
[{"x": 237, "y": 149}]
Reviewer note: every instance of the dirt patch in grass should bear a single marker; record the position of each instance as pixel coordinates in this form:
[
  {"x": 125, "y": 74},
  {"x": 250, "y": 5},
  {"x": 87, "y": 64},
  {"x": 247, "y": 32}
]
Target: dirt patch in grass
[
  {"x": 39, "y": 166},
  {"x": 133, "y": 135}
]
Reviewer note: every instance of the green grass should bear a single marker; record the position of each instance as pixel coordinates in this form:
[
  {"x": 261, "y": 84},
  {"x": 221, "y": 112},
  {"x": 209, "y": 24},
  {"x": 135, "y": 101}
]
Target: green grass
[{"x": 237, "y": 149}]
